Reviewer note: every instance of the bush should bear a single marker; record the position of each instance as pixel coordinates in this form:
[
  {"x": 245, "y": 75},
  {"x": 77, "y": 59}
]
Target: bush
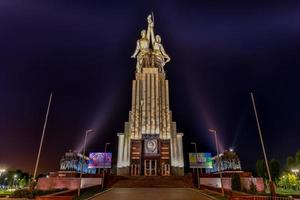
[
  {"x": 23, "y": 193},
  {"x": 236, "y": 182},
  {"x": 289, "y": 181},
  {"x": 252, "y": 189}
]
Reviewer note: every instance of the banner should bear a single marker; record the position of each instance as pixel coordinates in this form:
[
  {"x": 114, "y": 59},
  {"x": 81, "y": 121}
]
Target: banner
[
  {"x": 200, "y": 160},
  {"x": 99, "y": 160}
]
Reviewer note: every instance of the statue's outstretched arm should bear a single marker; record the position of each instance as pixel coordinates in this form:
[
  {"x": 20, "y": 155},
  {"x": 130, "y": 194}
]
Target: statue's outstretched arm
[
  {"x": 137, "y": 49},
  {"x": 150, "y": 26},
  {"x": 149, "y": 31},
  {"x": 152, "y": 36}
]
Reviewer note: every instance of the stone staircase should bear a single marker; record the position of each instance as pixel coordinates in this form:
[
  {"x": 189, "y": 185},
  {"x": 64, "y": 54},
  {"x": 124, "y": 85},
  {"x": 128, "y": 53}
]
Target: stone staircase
[{"x": 153, "y": 182}]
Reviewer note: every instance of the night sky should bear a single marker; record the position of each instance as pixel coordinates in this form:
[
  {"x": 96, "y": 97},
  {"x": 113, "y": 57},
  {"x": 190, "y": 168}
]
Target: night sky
[{"x": 81, "y": 51}]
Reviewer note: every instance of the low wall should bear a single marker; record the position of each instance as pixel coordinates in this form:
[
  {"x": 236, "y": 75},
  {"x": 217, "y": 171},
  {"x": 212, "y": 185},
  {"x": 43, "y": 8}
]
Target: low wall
[
  {"x": 70, "y": 183},
  {"x": 259, "y": 182},
  {"x": 227, "y": 174},
  {"x": 55, "y": 198},
  {"x": 245, "y": 181}
]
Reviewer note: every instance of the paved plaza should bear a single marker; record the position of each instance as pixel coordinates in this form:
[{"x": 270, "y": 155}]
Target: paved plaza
[{"x": 151, "y": 194}]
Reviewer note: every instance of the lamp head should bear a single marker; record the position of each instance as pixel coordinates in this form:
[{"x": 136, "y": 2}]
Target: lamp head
[
  {"x": 212, "y": 131},
  {"x": 89, "y": 131}
]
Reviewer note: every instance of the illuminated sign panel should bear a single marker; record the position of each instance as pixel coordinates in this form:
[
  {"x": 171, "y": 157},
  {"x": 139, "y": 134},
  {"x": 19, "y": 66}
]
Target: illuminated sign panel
[
  {"x": 99, "y": 160},
  {"x": 200, "y": 160}
]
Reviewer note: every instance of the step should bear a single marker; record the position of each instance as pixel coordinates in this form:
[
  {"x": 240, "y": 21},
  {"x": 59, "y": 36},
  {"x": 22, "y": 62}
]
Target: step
[{"x": 153, "y": 181}]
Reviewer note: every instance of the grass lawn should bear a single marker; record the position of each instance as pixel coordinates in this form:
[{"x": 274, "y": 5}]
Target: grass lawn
[
  {"x": 5, "y": 192},
  {"x": 286, "y": 192},
  {"x": 282, "y": 192}
]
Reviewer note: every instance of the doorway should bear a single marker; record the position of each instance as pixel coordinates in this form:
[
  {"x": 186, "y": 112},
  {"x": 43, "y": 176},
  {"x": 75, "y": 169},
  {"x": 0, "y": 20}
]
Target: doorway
[{"x": 150, "y": 167}]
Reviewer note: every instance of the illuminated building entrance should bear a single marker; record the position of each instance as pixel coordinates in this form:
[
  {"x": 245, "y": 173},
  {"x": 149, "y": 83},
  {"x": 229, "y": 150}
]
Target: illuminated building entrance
[{"x": 150, "y": 167}]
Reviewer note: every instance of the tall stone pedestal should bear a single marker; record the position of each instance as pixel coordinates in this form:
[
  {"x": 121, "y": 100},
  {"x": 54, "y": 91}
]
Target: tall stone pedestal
[{"x": 150, "y": 144}]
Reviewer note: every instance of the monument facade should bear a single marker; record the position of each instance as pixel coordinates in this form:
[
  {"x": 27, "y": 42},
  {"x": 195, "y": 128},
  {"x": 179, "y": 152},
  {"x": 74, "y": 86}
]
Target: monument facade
[{"x": 150, "y": 144}]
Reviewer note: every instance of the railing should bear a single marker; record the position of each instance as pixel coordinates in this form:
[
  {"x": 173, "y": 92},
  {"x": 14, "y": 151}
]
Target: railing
[{"x": 255, "y": 197}]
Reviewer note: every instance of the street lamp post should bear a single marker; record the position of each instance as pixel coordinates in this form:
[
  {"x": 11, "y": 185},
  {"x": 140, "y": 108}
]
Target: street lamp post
[
  {"x": 198, "y": 181},
  {"x": 83, "y": 155},
  {"x": 106, "y": 144},
  {"x": 141, "y": 129},
  {"x": 2, "y": 171},
  {"x": 15, "y": 178},
  {"x": 218, "y": 155}
]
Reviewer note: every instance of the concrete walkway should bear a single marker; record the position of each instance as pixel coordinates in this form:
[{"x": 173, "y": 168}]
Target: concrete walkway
[{"x": 151, "y": 194}]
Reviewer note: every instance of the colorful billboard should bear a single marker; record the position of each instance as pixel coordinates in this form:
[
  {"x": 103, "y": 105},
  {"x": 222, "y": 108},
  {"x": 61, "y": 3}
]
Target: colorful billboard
[
  {"x": 200, "y": 160},
  {"x": 99, "y": 160}
]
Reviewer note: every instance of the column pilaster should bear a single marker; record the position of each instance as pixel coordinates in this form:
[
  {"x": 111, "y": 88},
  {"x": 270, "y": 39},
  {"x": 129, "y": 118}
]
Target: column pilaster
[
  {"x": 120, "y": 150},
  {"x": 180, "y": 148}
]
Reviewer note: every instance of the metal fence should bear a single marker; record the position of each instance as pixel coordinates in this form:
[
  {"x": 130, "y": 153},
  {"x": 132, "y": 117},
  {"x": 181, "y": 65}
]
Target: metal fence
[{"x": 255, "y": 197}]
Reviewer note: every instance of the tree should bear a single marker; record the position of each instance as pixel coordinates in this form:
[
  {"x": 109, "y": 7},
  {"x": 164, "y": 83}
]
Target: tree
[
  {"x": 236, "y": 182},
  {"x": 261, "y": 168},
  {"x": 23, "y": 183},
  {"x": 290, "y": 163},
  {"x": 289, "y": 181},
  {"x": 274, "y": 169},
  {"x": 297, "y": 158},
  {"x": 14, "y": 178}
]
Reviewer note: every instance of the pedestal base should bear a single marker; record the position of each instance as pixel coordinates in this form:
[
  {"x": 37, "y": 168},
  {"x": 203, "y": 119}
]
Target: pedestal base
[
  {"x": 123, "y": 171},
  {"x": 177, "y": 171}
]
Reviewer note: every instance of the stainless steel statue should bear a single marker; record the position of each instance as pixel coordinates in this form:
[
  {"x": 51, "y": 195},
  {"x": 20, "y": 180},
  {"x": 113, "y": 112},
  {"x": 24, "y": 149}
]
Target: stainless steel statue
[
  {"x": 142, "y": 51},
  {"x": 150, "y": 56}
]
